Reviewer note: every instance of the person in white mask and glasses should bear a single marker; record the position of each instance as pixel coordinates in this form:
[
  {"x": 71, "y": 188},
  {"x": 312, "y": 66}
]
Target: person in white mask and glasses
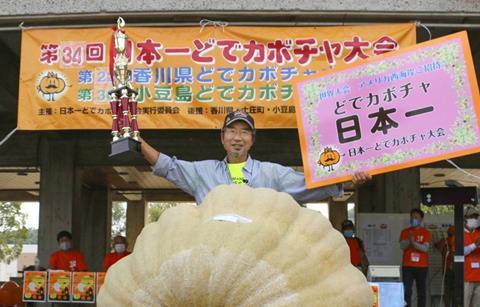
[
  {"x": 119, "y": 246},
  {"x": 471, "y": 243}
]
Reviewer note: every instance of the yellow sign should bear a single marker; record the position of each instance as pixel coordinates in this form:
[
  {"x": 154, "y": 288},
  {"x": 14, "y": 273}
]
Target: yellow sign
[
  {"x": 34, "y": 286},
  {"x": 187, "y": 78},
  {"x": 83, "y": 287},
  {"x": 59, "y": 286}
]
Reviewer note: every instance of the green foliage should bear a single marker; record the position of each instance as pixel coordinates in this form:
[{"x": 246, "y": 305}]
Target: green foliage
[
  {"x": 438, "y": 210},
  {"x": 32, "y": 236},
  {"x": 119, "y": 218},
  {"x": 13, "y": 233},
  {"x": 155, "y": 210}
]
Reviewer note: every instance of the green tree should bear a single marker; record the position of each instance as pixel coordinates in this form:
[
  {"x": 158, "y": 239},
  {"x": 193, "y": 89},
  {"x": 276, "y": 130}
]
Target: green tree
[
  {"x": 156, "y": 209},
  {"x": 32, "y": 236},
  {"x": 13, "y": 232},
  {"x": 119, "y": 218},
  {"x": 438, "y": 210}
]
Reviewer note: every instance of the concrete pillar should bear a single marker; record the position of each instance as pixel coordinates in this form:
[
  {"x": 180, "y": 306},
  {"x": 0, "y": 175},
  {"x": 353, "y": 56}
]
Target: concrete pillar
[
  {"x": 395, "y": 192},
  {"x": 337, "y": 213},
  {"x": 67, "y": 204},
  {"x": 57, "y": 180},
  {"x": 92, "y": 224},
  {"x": 136, "y": 217}
]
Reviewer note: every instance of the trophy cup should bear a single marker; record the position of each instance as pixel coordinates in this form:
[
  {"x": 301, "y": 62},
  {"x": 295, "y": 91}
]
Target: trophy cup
[{"x": 123, "y": 98}]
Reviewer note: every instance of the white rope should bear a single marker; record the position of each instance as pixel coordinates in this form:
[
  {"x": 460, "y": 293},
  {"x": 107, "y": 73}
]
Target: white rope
[
  {"x": 8, "y": 136},
  {"x": 462, "y": 170},
  {"x": 462, "y": 26},
  {"x": 419, "y": 24},
  {"x": 207, "y": 22}
]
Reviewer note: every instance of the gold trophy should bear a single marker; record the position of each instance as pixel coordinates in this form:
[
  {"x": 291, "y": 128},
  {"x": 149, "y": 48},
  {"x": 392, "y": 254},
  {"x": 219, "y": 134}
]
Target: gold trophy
[{"x": 123, "y": 98}]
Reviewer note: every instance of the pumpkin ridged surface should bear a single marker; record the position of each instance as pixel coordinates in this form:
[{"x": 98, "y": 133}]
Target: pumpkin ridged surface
[{"x": 276, "y": 254}]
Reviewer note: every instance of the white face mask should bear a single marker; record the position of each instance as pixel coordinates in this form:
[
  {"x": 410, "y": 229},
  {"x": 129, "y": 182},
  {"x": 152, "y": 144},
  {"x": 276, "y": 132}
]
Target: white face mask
[
  {"x": 472, "y": 223},
  {"x": 65, "y": 246},
  {"x": 120, "y": 248}
]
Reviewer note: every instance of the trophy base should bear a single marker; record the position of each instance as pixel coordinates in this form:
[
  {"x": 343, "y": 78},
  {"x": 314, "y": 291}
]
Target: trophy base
[{"x": 126, "y": 149}]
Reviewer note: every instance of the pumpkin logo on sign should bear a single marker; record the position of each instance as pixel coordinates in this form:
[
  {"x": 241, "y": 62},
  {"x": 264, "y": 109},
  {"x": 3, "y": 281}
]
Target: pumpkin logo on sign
[
  {"x": 35, "y": 289},
  {"x": 51, "y": 85},
  {"x": 329, "y": 157}
]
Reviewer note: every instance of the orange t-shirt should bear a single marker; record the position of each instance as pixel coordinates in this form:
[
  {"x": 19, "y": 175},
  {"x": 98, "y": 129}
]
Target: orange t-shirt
[
  {"x": 471, "y": 267},
  {"x": 71, "y": 260},
  {"x": 354, "y": 245},
  {"x": 111, "y": 258},
  {"x": 411, "y": 256}
]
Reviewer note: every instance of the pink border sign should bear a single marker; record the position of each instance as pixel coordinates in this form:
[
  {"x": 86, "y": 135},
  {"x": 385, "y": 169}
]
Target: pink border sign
[{"x": 406, "y": 108}]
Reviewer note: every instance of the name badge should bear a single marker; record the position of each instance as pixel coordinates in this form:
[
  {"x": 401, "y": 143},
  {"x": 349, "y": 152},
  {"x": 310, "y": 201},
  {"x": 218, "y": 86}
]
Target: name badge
[
  {"x": 475, "y": 265},
  {"x": 415, "y": 257}
]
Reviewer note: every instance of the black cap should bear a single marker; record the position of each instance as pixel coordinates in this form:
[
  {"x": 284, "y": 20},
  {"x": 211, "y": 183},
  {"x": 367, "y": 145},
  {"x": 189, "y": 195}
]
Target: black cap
[
  {"x": 239, "y": 115},
  {"x": 347, "y": 223}
]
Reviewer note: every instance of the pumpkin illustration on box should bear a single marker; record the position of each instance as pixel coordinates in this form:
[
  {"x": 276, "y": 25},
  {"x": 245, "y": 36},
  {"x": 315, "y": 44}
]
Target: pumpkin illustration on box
[{"x": 241, "y": 247}]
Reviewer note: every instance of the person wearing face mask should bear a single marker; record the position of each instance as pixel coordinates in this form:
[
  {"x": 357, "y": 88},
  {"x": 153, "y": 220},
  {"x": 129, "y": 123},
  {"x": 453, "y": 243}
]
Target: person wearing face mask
[
  {"x": 471, "y": 241},
  {"x": 358, "y": 257},
  {"x": 119, "y": 246},
  {"x": 67, "y": 258},
  {"x": 415, "y": 241}
]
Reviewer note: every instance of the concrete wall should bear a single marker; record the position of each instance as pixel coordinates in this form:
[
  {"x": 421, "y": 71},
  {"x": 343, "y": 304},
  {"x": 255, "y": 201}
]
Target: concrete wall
[{"x": 35, "y": 7}]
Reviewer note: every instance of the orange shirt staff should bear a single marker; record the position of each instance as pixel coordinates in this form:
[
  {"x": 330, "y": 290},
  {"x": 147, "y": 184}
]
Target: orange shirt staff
[
  {"x": 358, "y": 257},
  {"x": 66, "y": 258},
  {"x": 415, "y": 241},
  {"x": 471, "y": 243},
  {"x": 119, "y": 246}
]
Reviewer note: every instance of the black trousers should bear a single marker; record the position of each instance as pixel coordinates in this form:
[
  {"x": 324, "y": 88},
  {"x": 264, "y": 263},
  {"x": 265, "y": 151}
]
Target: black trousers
[{"x": 409, "y": 274}]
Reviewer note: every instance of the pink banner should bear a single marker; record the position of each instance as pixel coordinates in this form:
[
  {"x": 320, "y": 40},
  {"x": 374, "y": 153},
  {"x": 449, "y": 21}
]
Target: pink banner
[{"x": 411, "y": 107}]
